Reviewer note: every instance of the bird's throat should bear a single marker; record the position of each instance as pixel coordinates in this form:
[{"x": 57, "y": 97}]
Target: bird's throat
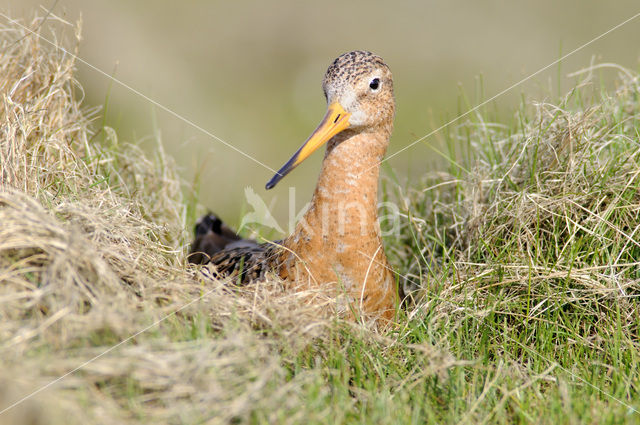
[{"x": 345, "y": 202}]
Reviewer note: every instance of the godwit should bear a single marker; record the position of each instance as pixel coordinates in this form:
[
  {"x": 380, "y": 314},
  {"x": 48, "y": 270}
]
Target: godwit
[{"x": 337, "y": 244}]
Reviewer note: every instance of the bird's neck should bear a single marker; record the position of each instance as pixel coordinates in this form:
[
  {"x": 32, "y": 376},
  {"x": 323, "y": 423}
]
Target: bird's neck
[
  {"x": 342, "y": 216},
  {"x": 345, "y": 200},
  {"x": 338, "y": 240}
]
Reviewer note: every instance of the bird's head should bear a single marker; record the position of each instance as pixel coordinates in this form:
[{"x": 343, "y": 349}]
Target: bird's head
[{"x": 359, "y": 91}]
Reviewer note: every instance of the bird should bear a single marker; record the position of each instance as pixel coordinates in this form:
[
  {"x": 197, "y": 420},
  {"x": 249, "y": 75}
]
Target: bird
[{"x": 337, "y": 245}]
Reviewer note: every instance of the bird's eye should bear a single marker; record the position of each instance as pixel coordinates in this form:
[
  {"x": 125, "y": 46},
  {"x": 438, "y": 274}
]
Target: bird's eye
[{"x": 375, "y": 84}]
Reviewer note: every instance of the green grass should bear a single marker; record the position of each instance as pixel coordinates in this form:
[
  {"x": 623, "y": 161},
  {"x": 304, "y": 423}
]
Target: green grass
[
  {"x": 521, "y": 257},
  {"x": 527, "y": 263}
]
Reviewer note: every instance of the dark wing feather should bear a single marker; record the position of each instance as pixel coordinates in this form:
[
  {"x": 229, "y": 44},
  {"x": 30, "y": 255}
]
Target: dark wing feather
[
  {"x": 246, "y": 263},
  {"x": 211, "y": 236},
  {"x": 217, "y": 244}
]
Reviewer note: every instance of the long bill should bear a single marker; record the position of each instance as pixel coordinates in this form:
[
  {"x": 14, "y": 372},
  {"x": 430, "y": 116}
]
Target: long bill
[{"x": 335, "y": 121}]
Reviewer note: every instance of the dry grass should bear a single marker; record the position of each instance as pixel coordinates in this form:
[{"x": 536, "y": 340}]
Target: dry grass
[
  {"x": 527, "y": 250},
  {"x": 525, "y": 254},
  {"x": 92, "y": 252},
  {"x": 550, "y": 212}
]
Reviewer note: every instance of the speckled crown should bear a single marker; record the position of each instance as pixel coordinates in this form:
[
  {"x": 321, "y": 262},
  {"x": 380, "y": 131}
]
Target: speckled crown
[{"x": 352, "y": 65}]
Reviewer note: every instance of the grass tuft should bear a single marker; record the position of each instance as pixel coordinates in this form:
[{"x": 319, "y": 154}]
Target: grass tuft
[{"x": 526, "y": 253}]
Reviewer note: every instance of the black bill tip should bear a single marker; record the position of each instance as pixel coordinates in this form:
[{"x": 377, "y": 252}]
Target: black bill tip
[
  {"x": 273, "y": 182},
  {"x": 286, "y": 168}
]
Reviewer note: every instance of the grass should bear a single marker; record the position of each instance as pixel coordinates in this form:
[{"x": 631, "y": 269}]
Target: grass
[{"x": 522, "y": 258}]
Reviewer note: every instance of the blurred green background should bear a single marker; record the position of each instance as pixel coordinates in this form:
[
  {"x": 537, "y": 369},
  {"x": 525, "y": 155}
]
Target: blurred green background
[{"x": 249, "y": 72}]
